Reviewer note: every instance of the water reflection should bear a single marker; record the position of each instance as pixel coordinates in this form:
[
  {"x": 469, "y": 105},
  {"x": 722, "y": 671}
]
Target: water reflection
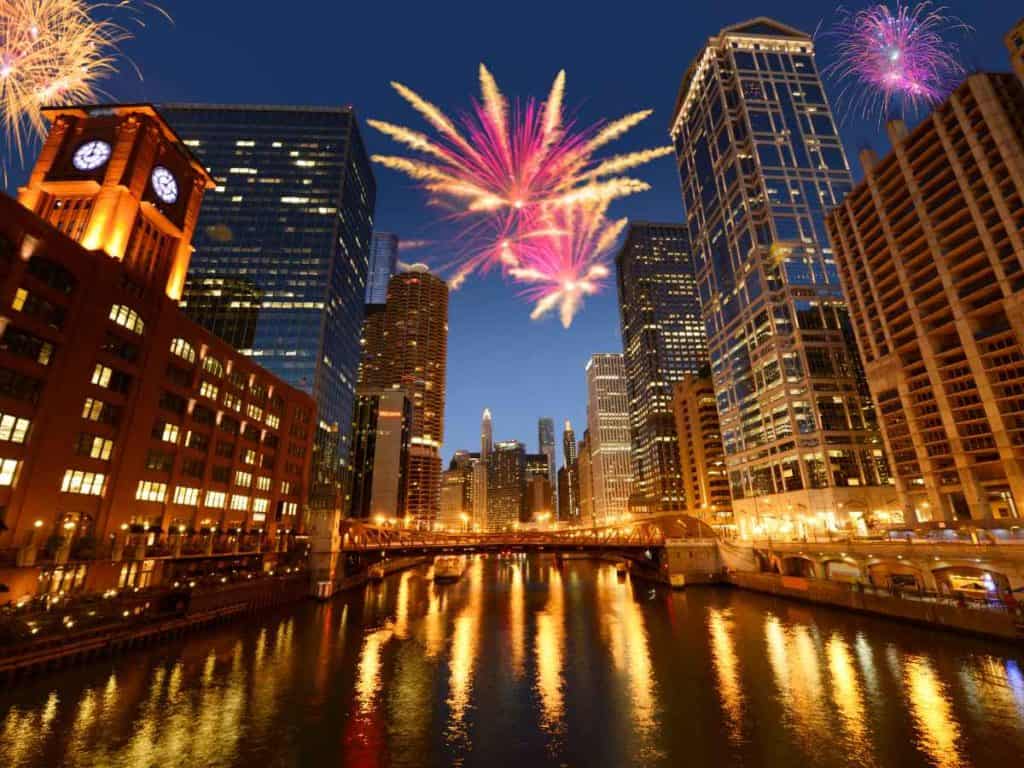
[
  {"x": 937, "y": 727},
  {"x": 796, "y": 666},
  {"x": 849, "y": 699},
  {"x": 723, "y": 651},
  {"x": 517, "y": 618},
  {"x": 465, "y": 644},
  {"x": 550, "y": 654}
]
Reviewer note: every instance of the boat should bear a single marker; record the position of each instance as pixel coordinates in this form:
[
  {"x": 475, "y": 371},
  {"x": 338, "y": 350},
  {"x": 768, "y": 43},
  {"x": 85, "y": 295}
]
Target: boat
[
  {"x": 377, "y": 572},
  {"x": 449, "y": 568}
]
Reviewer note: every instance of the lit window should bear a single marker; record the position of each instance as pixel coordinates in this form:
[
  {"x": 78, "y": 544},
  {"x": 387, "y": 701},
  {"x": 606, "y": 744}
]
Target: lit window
[
  {"x": 254, "y": 411},
  {"x": 260, "y": 505},
  {"x": 150, "y": 491},
  {"x": 244, "y": 479},
  {"x": 239, "y": 503},
  {"x": 93, "y": 409},
  {"x": 13, "y": 429},
  {"x": 101, "y": 375},
  {"x": 263, "y": 483},
  {"x": 250, "y": 456},
  {"x": 206, "y": 389},
  {"x": 94, "y": 446},
  {"x": 232, "y": 402},
  {"x": 85, "y": 483},
  {"x": 213, "y": 366},
  {"x": 273, "y": 421},
  {"x": 215, "y": 499},
  {"x": 185, "y": 495},
  {"x": 19, "y": 299},
  {"x": 286, "y": 487},
  {"x": 8, "y": 471},
  {"x": 170, "y": 433},
  {"x": 127, "y": 317},
  {"x": 183, "y": 349}
]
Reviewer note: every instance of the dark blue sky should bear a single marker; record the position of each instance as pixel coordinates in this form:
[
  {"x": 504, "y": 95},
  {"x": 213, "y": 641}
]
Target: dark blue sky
[{"x": 619, "y": 58}]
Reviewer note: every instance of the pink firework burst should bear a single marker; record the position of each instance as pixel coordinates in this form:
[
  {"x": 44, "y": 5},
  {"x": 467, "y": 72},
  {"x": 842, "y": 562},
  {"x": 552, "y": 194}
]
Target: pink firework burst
[{"x": 900, "y": 60}]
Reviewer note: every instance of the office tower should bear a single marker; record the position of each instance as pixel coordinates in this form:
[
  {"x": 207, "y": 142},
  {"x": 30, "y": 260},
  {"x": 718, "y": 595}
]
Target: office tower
[
  {"x": 546, "y": 445},
  {"x": 405, "y": 346},
  {"x": 506, "y": 485},
  {"x": 282, "y": 242},
  {"x": 132, "y": 437},
  {"x": 609, "y": 443},
  {"x": 1015, "y": 44},
  {"x": 464, "y": 462},
  {"x": 931, "y": 252},
  {"x": 701, "y": 456},
  {"x": 761, "y": 163},
  {"x": 486, "y": 435},
  {"x": 454, "y": 515},
  {"x": 480, "y": 495},
  {"x": 663, "y": 341},
  {"x": 382, "y": 265},
  {"x": 571, "y": 506},
  {"x": 585, "y": 475},
  {"x": 539, "y": 491},
  {"x": 381, "y": 431}
]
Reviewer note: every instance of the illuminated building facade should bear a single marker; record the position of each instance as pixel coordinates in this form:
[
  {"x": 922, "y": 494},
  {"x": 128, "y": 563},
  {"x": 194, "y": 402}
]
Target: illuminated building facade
[
  {"x": 383, "y": 264},
  {"x": 486, "y": 435},
  {"x": 454, "y": 514},
  {"x": 506, "y": 485},
  {"x": 539, "y": 492},
  {"x": 405, "y": 346},
  {"x": 546, "y": 445},
  {"x": 663, "y": 341},
  {"x": 701, "y": 456},
  {"x": 134, "y": 444},
  {"x": 609, "y": 441},
  {"x": 931, "y": 253},
  {"x": 282, "y": 244},
  {"x": 585, "y": 475},
  {"x": 761, "y": 163},
  {"x": 569, "y": 507},
  {"x": 381, "y": 430}
]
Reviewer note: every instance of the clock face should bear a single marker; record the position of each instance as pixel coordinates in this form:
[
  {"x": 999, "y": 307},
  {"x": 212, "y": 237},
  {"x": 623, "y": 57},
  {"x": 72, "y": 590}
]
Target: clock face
[
  {"x": 164, "y": 184},
  {"x": 91, "y": 155}
]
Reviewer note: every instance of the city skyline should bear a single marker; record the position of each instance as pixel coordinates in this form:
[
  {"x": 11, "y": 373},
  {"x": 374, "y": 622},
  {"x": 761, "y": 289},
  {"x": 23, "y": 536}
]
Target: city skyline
[{"x": 231, "y": 71}]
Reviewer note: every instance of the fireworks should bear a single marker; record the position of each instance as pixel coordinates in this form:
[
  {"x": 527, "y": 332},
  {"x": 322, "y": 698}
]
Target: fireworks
[
  {"x": 526, "y": 186},
  {"x": 900, "y": 59},
  {"x": 53, "y": 51}
]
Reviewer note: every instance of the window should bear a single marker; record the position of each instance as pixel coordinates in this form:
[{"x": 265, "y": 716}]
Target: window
[
  {"x": 13, "y": 429},
  {"x": 94, "y": 446},
  {"x": 204, "y": 415},
  {"x": 26, "y": 345},
  {"x": 8, "y": 471},
  {"x": 173, "y": 403},
  {"x": 197, "y": 440},
  {"x": 85, "y": 483},
  {"x": 106, "y": 377},
  {"x": 233, "y": 402},
  {"x": 182, "y": 377},
  {"x": 249, "y": 457},
  {"x": 260, "y": 505},
  {"x": 52, "y": 274},
  {"x": 225, "y": 450},
  {"x": 206, "y": 389},
  {"x": 286, "y": 487},
  {"x": 243, "y": 479},
  {"x": 169, "y": 433},
  {"x": 186, "y": 495},
  {"x": 239, "y": 503},
  {"x": 101, "y": 375},
  {"x": 118, "y": 347},
  {"x": 215, "y": 499},
  {"x": 221, "y": 474},
  {"x": 263, "y": 483},
  {"x": 253, "y": 411},
  {"x": 273, "y": 421},
  {"x": 128, "y": 318},
  {"x": 183, "y": 349},
  {"x": 19, "y": 386},
  {"x": 35, "y": 306},
  {"x": 99, "y": 411},
  {"x": 150, "y": 491},
  {"x": 193, "y": 467},
  {"x": 213, "y": 366},
  {"x": 158, "y": 461},
  {"x": 229, "y": 425}
]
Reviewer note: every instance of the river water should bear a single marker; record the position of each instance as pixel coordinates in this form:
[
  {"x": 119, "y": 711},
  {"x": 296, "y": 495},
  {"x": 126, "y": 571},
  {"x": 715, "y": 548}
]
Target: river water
[{"x": 523, "y": 663}]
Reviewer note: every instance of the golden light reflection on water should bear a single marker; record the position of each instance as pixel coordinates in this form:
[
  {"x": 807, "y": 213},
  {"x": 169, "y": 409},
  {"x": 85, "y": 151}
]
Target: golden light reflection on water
[
  {"x": 23, "y": 733},
  {"x": 549, "y": 652},
  {"x": 723, "y": 653},
  {"x": 517, "y": 618},
  {"x": 849, "y": 699},
  {"x": 994, "y": 688},
  {"x": 937, "y": 727},
  {"x": 797, "y": 669},
  {"x": 368, "y": 676},
  {"x": 465, "y": 646}
]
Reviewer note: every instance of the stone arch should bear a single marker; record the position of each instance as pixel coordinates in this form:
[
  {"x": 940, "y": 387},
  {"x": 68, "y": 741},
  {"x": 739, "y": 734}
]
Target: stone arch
[
  {"x": 799, "y": 565},
  {"x": 842, "y": 569},
  {"x": 971, "y": 581},
  {"x": 896, "y": 574}
]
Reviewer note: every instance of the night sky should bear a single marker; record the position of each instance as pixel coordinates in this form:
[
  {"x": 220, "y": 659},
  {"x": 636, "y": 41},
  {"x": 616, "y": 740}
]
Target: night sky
[{"x": 230, "y": 51}]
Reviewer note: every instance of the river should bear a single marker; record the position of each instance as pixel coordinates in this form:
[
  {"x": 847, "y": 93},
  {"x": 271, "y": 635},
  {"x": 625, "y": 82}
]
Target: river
[{"x": 524, "y": 663}]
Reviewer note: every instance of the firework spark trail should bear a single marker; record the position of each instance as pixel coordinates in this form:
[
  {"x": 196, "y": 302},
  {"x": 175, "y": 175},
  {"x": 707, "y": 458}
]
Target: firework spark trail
[
  {"x": 902, "y": 59},
  {"x": 56, "y": 51},
  {"x": 503, "y": 168}
]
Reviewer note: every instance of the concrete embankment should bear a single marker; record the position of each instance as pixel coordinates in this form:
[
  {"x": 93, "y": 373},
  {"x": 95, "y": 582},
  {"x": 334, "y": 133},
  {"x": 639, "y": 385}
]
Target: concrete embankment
[{"x": 989, "y": 622}]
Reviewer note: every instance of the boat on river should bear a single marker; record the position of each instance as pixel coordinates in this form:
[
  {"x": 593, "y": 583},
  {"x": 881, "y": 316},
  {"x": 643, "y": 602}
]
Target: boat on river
[{"x": 449, "y": 568}]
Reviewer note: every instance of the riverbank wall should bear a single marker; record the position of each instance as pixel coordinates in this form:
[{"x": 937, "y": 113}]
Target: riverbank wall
[
  {"x": 1001, "y": 624},
  {"x": 326, "y": 590}
]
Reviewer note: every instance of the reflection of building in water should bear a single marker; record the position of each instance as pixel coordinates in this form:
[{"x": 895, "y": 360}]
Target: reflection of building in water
[
  {"x": 723, "y": 651},
  {"x": 938, "y": 729},
  {"x": 549, "y": 650}
]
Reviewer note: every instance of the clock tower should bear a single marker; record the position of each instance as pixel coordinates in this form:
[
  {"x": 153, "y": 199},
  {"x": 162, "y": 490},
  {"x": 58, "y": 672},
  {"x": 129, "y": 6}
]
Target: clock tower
[{"x": 117, "y": 179}]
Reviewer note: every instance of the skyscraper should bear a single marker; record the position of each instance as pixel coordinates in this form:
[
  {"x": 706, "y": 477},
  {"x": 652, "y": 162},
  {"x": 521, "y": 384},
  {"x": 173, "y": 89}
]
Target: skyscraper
[
  {"x": 609, "y": 438},
  {"x": 663, "y": 341},
  {"x": 486, "y": 435},
  {"x": 546, "y": 445},
  {"x": 383, "y": 264},
  {"x": 506, "y": 485},
  {"x": 569, "y": 509},
  {"x": 585, "y": 480},
  {"x": 540, "y": 493},
  {"x": 931, "y": 254},
  {"x": 380, "y": 453},
  {"x": 282, "y": 242},
  {"x": 761, "y": 162},
  {"x": 406, "y": 347},
  {"x": 701, "y": 457}
]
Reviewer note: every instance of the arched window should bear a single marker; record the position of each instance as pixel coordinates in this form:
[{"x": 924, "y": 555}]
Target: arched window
[
  {"x": 183, "y": 349},
  {"x": 213, "y": 366},
  {"x": 127, "y": 317}
]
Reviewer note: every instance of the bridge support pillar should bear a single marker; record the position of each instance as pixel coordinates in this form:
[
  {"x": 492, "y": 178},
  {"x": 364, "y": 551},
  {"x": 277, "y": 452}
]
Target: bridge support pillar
[
  {"x": 692, "y": 562},
  {"x": 325, "y": 553}
]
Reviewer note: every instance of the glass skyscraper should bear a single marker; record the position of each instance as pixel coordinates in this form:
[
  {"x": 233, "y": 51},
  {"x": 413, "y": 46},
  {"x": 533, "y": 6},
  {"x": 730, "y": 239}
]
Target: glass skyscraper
[
  {"x": 546, "y": 445},
  {"x": 383, "y": 264},
  {"x": 662, "y": 342},
  {"x": 281, "y": 252},
  {"x": 761, "y": 163}
]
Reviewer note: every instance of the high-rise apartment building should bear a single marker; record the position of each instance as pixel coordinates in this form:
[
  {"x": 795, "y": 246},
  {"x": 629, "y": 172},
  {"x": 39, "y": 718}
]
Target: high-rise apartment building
[
  {"x": 546, "y": 445},
  {"x": 569, "y": 510},
  {"x": 663, "y": 340},
  {"x": 405, "y": 346},
  {"x": 701, "y": 456},
  {"x": 1015, "y": 44},
  {"x": 506, "y": 485},
  {"x": 382, "y": 265},
  {"x": 381, "y": 430},
  {"x": 761, "y": 163},
  {"x": 931, "y": 252},
  {"x": 609, "y": 441},
  {"x": 282, "y": 242}
]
